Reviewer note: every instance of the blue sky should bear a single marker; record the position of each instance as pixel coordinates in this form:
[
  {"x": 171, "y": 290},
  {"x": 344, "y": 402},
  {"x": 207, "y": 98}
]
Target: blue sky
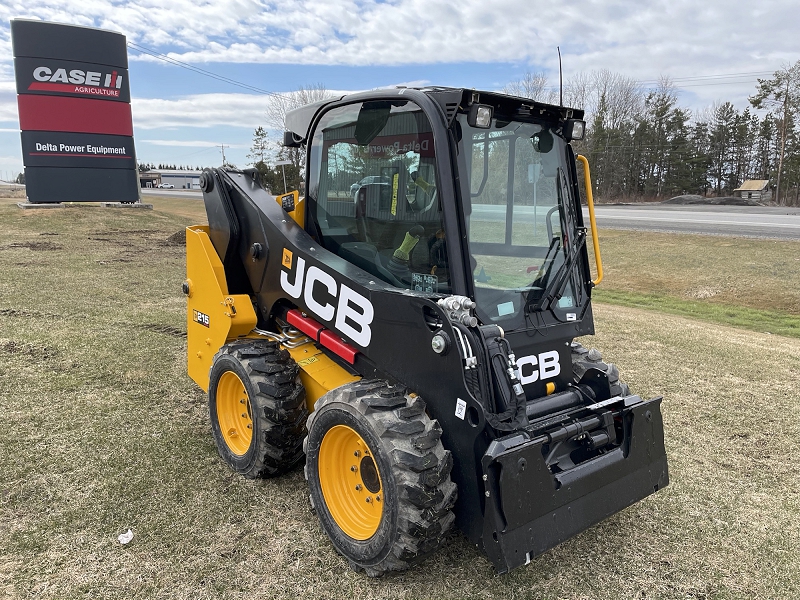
[{"x": 714, "y": 51}]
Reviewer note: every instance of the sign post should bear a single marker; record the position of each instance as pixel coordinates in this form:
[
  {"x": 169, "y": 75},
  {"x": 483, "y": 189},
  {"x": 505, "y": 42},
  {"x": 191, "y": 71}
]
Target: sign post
[{"x": 75, "y": 119}]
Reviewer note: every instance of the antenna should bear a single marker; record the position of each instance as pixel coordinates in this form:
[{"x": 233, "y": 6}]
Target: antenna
[{"x": 560, "y": 79}]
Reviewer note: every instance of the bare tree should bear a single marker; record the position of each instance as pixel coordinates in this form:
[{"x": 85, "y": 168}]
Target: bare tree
[
  {"x": 533, "y": 86},
  {"x": 281, "y": 104},
  {"x": 781, "y": 94}
]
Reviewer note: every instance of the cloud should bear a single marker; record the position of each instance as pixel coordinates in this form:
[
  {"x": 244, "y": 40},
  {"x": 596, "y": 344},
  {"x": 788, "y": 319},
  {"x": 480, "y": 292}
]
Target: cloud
[
  {"x": 643, "y": 40},
  {"x": 199, "y": 110}
]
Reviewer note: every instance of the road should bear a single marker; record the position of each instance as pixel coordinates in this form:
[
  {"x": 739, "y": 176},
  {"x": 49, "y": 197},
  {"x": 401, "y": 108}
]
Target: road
[
  {"x": 749, "y": 221},
  {"x": 172, "y": 193}
]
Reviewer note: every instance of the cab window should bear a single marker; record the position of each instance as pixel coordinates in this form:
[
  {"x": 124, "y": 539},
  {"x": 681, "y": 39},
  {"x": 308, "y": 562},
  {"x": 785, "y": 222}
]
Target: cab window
[{"x": 373, "y": 194}]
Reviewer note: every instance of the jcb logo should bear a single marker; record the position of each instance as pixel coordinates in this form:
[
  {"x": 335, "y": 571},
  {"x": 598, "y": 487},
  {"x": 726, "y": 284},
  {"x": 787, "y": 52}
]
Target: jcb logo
[
  {"x": 352, "y": 312},
  {"x": 533, "y": 368}
]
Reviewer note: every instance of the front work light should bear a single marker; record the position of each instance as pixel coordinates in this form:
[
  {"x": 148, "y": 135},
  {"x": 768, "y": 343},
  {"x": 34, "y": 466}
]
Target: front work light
[
  {"x": 480, "y": 115},
  {"x": 574, "y": 129}
]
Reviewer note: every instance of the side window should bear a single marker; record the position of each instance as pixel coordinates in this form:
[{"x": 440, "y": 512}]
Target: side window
[{"x": 373, "y": 194}]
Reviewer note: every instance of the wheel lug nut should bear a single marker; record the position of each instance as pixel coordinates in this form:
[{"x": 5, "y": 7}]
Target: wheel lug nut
[
  {"x": 369, "y": 499},
  {"x": 353, "y": 469},
  {"x": 377, "y": 498},
  {"x": 358, "y": 487},
  {"x": 356, "y": 453},
  {"x": 244, "y": 416}
]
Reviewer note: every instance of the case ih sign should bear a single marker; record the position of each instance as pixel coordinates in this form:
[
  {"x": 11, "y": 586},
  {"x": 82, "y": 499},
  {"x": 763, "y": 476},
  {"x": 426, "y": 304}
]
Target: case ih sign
[{"x": 74, "y": 113}]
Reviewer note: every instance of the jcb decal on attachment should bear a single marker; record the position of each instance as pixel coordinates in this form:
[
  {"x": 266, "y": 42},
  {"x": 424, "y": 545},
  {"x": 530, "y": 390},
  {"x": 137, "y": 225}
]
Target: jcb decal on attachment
[
  {"x": 201, "y": 318},
  {"x": 352, "y": 313},
  {"x": 547, "y": 362}
]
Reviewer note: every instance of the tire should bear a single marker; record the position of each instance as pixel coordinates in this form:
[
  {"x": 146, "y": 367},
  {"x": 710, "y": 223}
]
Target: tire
[
  {"x": 258, "y": 408},
  {"x": 388, "y": 507},
  {"x": 583, "y": 358}
]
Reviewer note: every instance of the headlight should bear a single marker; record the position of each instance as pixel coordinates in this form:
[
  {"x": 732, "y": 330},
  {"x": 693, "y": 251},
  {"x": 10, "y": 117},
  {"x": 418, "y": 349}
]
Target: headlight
[
  {"x": 574, "y": 129},
  {"x": 480, "y": 115}
]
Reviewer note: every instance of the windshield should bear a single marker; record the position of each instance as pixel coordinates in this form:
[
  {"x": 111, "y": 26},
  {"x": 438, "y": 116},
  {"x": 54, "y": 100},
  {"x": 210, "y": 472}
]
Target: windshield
[{"x": 517, "y": 219}]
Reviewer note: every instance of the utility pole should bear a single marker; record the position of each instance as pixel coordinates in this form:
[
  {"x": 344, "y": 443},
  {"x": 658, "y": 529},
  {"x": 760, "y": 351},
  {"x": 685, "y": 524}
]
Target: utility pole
[
  {"x": 282, "y": 164},
  {"x": 223, "y": 146}
]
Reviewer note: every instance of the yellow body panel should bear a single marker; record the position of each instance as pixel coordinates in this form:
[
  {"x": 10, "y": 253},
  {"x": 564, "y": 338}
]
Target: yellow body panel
[
  {"x": 298, "y": 214},
  {"x": 213, "y": 317},
  {"x": 318, "y": 373}
]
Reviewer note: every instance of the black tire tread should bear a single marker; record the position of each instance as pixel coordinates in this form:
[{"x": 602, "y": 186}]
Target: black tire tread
[
  {"x": 618, "y": 386},
  {"x": 420, "y": 468},
  {"x": 279, "y": 406}
]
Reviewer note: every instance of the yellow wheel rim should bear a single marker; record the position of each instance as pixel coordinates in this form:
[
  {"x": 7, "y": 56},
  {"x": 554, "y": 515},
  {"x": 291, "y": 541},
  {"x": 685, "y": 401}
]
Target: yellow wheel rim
[
  {"x": 351, "y": 482},
  {"x": 233, "y": 413}
]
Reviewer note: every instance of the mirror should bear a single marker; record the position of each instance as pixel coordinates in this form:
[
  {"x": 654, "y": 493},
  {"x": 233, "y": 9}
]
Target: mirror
[
  {"x": 372, "y": 118},
  {"x": 543, "y": 141}
]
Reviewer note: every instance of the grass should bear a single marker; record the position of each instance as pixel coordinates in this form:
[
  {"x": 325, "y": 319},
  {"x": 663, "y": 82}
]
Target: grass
[
  {"x": 743, "y": 282},
  {"x": 103, "y": 431}
]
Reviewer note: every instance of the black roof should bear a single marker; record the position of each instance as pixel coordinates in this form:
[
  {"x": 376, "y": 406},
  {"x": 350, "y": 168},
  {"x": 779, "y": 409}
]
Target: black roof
[{"x": 451, "y": 100}]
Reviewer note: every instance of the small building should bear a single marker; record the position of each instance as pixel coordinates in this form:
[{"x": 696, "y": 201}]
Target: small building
[
  {"x": 754, "y": 189},
  {"x": 179, "y": 179},
  {"x": 149, "y": 179}
]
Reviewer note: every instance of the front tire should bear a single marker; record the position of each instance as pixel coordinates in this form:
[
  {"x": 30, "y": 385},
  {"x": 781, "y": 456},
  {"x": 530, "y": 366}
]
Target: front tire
[
  {"x": 378, "y": 476},
  {"x": 257, "y": 408}
]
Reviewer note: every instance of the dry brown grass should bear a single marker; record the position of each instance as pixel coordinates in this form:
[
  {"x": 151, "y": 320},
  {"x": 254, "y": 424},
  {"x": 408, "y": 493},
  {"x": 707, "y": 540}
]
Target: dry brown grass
[
  {"x": 102, "y": 430},
  {"x": 760, "y": 274}
]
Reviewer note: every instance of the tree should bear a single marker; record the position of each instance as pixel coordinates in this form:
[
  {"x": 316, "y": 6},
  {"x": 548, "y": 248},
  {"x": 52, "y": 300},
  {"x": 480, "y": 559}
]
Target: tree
[
  {"x": 259, "y": 151},
  {"x": 533, "y": 86},
  {"x": 279, "y": 105},
  {"x": 21, "y": 178},
  {"x": 781, "y": 95}
]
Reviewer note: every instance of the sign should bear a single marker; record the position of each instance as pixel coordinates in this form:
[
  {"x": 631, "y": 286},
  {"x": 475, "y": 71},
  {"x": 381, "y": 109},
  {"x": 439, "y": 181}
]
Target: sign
[{"x": 74, "y": 107}]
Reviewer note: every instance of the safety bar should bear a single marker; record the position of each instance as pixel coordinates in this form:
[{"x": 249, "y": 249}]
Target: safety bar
[{"x": 587, "y": 179}]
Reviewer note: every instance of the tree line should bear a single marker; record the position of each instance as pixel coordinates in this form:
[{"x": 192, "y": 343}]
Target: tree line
[
  {"x": 165, "y": 167},
  {"x": 643, "y": 144}
]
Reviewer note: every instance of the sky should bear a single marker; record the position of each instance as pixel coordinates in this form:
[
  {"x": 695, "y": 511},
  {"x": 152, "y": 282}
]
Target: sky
[{"x": 713, "y": 51}]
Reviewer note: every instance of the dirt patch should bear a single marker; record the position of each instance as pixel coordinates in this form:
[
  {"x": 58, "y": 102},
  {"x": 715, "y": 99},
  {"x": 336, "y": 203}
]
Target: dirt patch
[
  {"x": 176, "y": 239},
  {"x": 34, "y": 351},
  {"x": 36, "y": 246},
  {"x": 165, "y": 329}
]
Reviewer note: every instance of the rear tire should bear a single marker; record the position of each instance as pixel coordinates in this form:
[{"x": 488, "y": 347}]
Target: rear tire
[
  {"x": 378, "y": 476},
  {"x": 257, "y": 408}
]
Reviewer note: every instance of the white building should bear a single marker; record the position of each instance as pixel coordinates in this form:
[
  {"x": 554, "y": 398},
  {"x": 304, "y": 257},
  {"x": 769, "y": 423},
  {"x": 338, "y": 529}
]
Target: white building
[{"x": 182, "y": 180}]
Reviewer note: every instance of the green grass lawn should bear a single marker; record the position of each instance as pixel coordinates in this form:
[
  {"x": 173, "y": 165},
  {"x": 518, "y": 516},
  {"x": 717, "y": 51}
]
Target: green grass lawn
[{"x": 102, "y": 431}]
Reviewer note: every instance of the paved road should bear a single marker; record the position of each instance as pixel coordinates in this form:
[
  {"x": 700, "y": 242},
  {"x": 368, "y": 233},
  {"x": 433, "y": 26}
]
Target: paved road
[
  {"x": 180, "y": 193},
  {"x": 749, "y": 221}
]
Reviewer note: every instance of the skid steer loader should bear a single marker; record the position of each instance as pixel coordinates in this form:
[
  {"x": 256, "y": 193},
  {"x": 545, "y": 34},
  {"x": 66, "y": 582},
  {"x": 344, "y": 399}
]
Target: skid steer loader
[{"x": 407, "y": 329}]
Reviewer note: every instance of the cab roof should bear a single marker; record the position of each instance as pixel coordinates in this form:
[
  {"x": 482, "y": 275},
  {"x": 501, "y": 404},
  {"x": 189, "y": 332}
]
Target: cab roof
[{"x": 450, "y": 100}]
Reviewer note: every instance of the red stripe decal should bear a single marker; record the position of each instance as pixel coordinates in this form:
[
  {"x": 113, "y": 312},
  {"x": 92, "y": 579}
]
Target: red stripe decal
[
  {"x": 81, "y": 155},
  {"x": 305, "y": 324},
  {"x": 79, "y": 115},
  {"x": 333, "y": 342},
  {"x": 68, "y": 88}
]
